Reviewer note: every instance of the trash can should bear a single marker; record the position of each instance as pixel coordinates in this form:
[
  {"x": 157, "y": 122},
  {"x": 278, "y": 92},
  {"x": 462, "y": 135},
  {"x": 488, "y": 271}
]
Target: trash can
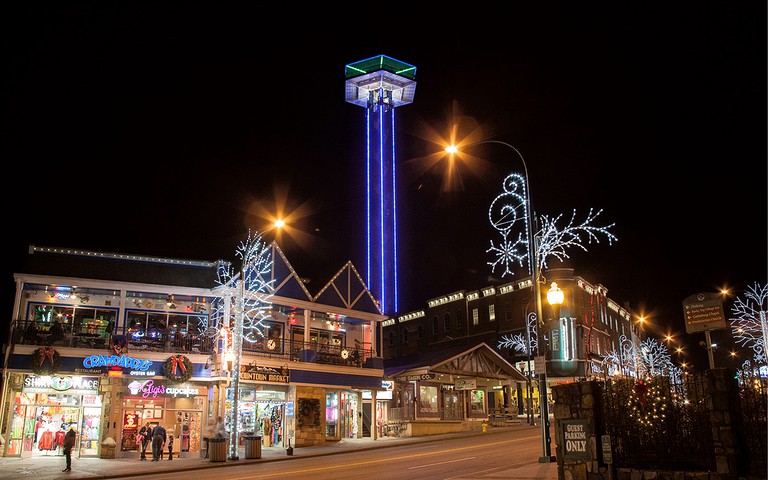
[
  {"x": 252, "y": 446},
  {"x": 217, "y": 449}
]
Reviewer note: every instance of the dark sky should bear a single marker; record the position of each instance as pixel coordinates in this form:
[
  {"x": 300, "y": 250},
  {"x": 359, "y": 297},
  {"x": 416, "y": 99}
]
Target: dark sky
[{"x": 168, "y": 131}]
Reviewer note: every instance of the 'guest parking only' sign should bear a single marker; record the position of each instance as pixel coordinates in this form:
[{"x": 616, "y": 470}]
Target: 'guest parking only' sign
[{"x": 575, "y": 436}]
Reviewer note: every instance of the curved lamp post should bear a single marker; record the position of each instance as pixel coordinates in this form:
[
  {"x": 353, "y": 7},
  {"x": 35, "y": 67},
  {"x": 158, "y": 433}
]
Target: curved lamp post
[{"x": 535, "y": 277}]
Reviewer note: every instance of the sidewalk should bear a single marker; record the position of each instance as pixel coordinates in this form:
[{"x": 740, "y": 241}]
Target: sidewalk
[{"x": 47, "y": 468}]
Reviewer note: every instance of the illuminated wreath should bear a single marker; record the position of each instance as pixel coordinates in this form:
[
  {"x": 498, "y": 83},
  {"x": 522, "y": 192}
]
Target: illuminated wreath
[
  {"x": 178, "y": 368},
  {"x": 309, "y": 412},
  {"x": 45, "y": 361}
]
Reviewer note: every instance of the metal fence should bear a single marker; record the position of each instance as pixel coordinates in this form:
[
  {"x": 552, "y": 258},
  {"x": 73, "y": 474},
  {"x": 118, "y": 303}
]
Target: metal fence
[
  {"x": 752, "y": 424},
  {"x": 661, "y": 424}
]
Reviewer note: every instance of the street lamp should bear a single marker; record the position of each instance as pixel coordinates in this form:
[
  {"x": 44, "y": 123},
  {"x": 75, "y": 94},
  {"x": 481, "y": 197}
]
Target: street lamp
[{"x": 535, "y": 277}]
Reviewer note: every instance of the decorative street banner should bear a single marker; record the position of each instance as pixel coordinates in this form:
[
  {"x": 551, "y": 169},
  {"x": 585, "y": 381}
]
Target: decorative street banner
[
  {"x": 704, "y": 311},
  {"x": 575, "y": 436}
]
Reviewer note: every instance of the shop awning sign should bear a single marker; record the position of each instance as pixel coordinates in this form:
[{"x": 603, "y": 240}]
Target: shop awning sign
[
  {"x": 416, "y": 378},
  {"x": 466, "y": 384},
  {"x": 61, "y": 383},
  {"x": 258, "y": 373}
]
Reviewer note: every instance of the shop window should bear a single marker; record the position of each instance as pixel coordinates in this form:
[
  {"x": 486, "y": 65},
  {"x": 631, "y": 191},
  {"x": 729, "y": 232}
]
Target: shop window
[
  {"x": 428, "y": 399},
  {"x": 420, "y": 332},
  {"x": 322, "y": 340},
  {"x": 405, "y": 335},
  {"x": 391, "y": 337},
  {"x": 447, "y": 322},
  {"x": 435, "y": 327},
  {"x": 331, "y": 414},
  {"x": 492, "y": 313},
  {"x": 477, "y": 402},
  {"x": 475, "y": 317}
]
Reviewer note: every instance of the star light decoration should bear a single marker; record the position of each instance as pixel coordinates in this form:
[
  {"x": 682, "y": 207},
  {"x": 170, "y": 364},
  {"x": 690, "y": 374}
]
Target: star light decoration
[
  {"x": 510, "y": 208},
  {"x": 749, "y": 327}
]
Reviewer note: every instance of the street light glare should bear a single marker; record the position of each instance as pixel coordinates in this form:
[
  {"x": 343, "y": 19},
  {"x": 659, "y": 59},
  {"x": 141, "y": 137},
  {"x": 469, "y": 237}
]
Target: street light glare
[
  {"x": 279, "y": 223},
  {"x": 451, "y": 149}
]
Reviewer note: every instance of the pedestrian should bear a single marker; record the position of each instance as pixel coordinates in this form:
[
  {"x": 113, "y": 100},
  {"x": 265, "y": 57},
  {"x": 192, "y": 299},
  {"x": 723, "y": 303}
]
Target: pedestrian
[
  {"x": 170, "y": 447},
  {"x": 158, "y": 440},
  {"x": 145, "y": 435},
  {"x": 69, "y": 443},
  {"x": 219, "y": 430}
]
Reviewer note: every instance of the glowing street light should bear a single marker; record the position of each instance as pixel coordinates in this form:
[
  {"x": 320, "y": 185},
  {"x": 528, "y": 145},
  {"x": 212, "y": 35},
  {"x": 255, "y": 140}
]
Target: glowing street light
[{"x": 534, "y": 266}]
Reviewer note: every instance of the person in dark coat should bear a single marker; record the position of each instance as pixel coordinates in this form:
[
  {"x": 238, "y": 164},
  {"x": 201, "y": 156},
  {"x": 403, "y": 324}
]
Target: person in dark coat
[
  {"x": 158, "y": 440},
  {"x": 69, "y": 444},
  {"x": 146, "y": 437}
]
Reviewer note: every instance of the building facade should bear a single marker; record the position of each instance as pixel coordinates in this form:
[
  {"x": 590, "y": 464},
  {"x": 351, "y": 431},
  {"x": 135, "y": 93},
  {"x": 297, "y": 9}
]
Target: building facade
[
  {"x": 105, "y": 343},
  {"x": 577, "y": 336}
]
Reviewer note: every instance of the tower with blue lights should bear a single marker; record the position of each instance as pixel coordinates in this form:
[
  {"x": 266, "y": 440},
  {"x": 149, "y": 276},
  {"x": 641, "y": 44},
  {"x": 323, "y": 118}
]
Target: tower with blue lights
[{"x": 380, "y": 84}]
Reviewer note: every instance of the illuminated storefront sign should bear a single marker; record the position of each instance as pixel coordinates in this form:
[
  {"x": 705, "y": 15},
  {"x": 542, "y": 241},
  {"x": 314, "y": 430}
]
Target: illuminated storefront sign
[
  {"x": 264, "y": 374},
  {"x": 61, "y": 383},
  {"x": 152, "y": 389},
  {"x": 96, "y": 361},
  {"x": 380, "y": 395}
]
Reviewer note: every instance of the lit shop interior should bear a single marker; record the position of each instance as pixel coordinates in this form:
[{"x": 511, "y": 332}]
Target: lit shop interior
[
  {"x": 42, "y": 415},
  {"x": 261, "y": 412},
  {"x": 182, "y": 417}
]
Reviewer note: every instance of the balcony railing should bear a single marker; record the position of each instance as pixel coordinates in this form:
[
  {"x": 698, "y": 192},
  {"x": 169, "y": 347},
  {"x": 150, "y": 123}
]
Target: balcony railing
[{"x": 27, "y": 332}]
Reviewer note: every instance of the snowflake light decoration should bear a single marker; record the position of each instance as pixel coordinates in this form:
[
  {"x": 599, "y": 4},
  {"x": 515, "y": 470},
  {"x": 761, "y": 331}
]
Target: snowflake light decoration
[
  {"x": 508, "y": 214},
  {"x": 519, "y": 342}
]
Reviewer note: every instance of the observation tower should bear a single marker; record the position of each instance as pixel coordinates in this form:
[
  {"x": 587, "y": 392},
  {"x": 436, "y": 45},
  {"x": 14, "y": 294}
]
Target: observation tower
[{"x": 380, "y": 84}]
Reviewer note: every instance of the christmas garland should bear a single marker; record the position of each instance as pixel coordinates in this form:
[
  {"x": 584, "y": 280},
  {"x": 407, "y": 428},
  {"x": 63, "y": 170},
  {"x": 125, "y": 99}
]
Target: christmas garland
[
  {"x": 648, "y": 405},
  {"x": 45, "y": 361},
  {"x": 178, "y": 368}
]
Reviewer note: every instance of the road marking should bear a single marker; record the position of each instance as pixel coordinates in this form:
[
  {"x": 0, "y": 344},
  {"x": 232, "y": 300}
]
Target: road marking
[{"x": 441, "y": 463}]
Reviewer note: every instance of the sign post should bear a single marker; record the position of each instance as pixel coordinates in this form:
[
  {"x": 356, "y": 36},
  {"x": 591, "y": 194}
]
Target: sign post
[{"x": 703, "y": 313}]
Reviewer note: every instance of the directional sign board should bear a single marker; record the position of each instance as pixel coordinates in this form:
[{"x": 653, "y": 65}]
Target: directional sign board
[{"x": 704, "y": 311}]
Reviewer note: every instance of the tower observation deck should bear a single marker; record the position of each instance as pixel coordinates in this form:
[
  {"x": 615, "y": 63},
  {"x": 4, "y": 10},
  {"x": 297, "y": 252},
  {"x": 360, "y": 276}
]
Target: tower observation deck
[{"x": 380, "y": 84}]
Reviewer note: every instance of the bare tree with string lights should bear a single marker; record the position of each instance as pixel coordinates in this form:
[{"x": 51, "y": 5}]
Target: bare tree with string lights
[
  {"x": 242, "y": 305},
  {"x": 748, "y": 325}
]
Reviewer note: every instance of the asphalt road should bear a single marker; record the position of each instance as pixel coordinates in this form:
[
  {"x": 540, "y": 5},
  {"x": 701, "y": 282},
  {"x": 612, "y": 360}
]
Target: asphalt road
[{"x": 499, "y": 456}]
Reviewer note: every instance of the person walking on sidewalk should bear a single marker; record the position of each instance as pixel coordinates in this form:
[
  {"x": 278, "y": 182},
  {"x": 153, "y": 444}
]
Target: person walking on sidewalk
[
  {"x": 145, "y": 436},
  {"x": 69, "y": 443},
  {"x": 158, "y": 440}
]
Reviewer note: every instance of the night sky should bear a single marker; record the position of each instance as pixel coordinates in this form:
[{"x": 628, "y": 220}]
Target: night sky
[{"x": 171, "y": 131}]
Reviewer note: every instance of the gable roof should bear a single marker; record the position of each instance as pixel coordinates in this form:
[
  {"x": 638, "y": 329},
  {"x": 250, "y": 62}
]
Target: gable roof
[
  {"x": 347, "y": 290},
  {"x": 285, "y": 281},
  {"x": 480, "y": 360}
]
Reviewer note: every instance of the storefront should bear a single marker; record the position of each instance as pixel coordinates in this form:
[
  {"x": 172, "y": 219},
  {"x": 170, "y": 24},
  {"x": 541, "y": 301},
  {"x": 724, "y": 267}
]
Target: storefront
[
  {"x": 177, "y": 407},
  {"x": 261, "y": 408},
  {"x": 46, "y": 407}
]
